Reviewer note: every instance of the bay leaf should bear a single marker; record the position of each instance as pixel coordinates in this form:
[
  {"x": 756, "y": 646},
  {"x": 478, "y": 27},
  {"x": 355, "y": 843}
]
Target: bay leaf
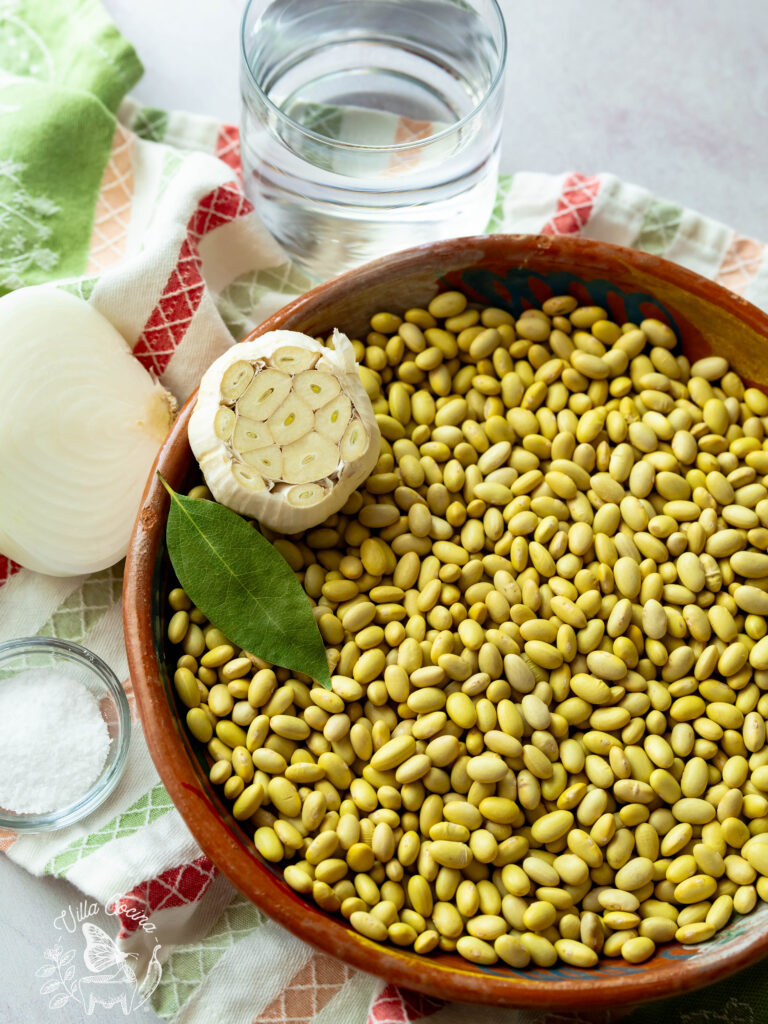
[{"x": 242, "y": 583}]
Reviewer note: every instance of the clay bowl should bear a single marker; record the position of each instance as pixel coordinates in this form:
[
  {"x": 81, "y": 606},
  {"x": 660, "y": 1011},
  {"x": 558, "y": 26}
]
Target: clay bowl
[{"x": 509, "y": 271}]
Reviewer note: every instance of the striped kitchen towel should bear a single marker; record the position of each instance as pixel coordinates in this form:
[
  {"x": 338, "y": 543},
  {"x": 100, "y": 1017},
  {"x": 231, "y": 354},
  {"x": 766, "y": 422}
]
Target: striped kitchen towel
[{"x": 142, "y": 213}]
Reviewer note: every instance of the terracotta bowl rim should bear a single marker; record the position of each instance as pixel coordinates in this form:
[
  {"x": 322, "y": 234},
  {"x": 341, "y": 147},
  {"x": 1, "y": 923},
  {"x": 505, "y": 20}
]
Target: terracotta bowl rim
[{"x": 173, "y": 760}]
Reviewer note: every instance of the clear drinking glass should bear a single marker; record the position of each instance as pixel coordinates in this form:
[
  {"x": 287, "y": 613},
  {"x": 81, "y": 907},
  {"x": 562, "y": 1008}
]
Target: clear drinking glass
[{"x": 370, "y": 125}]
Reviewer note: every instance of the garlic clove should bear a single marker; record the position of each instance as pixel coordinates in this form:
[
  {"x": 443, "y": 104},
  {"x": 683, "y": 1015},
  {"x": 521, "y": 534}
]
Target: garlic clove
[
  {"x": 236, "y": 380},
  {"x": 292, "y": 420},
  {"x": 268, "y": 461},
  {"x": 316, "y": 388},
  {"x": 311, "y": 458},
  {"x": 224, "y": 423},
  {"x": 250, "y": 434},
  {"x": 265, "y": 393},
  {"x": 354, "y": 442},
  {"x": 293, "y": 359},
  {"x": 305, "y": 495},
  {"x": 331, "y": 421},
  {"x": 248, "y": 478}
]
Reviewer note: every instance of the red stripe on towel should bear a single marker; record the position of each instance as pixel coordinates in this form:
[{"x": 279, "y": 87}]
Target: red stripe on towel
[
  {"x": 7, "y": 569},
  {"x": 310, "y": 989},
  {"x": 228, "y": 148},
  {"x": 175, "y": 887},
  {"x": 574, "y": 206},
  {"x": 740, "y": 263},
  {"x": 170, "y": 319},
  {"x": 401, "y": 1006}
]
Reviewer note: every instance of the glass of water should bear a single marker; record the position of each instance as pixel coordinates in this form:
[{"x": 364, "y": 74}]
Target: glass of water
[{"x": 370, "y": 126}]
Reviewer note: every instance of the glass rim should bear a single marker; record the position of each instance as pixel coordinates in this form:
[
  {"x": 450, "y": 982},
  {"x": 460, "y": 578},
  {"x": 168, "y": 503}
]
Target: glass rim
[
  {"x": 402, "y": 147},
  {"x": 108, "y": 778}
]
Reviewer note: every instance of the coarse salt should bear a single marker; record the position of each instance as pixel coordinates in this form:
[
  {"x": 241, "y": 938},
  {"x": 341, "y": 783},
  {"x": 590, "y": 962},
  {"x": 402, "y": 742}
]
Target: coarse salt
[{"x": 53, "y": 741}]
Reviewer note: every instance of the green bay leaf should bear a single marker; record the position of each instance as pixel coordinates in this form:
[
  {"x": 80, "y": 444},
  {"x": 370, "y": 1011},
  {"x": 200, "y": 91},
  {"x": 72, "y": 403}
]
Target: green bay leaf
[{"x": 244, "y": 586}]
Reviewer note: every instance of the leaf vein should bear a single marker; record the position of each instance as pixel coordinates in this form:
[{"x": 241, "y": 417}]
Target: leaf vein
[{"x": 243, "y": 585}]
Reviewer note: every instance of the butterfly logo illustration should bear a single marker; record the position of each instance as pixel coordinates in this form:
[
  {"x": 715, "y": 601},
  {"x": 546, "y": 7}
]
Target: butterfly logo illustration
[
  {"x": 112, "y": 980},
  {"x": 101, "y": 953}
]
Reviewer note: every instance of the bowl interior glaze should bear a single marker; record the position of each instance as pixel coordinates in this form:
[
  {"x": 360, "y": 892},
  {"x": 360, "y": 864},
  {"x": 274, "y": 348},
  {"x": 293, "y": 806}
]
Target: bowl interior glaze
[{"x": 514, "y": 272}]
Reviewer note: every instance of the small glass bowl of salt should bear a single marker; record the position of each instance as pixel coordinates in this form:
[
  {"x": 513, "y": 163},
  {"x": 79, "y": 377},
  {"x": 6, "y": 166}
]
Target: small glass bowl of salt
[{"x": 65, "y": 727}]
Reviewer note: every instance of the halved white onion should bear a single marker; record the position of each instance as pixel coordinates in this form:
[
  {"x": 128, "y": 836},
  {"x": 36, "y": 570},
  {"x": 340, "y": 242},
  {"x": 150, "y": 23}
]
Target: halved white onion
[{"x": 81, "y": 421}]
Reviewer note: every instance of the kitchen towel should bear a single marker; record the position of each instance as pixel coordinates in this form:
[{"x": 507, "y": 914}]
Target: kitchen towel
[{"x": 142, "y": 213}]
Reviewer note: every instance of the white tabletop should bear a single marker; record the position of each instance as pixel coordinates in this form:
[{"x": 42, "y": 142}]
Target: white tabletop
[{"x": 672, "y": 96}]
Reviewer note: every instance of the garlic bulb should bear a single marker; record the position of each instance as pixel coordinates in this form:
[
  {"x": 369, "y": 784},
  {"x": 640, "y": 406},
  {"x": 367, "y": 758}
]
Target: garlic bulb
[
  {"x": 80, "y": 424},
  {"x": 283, "y": 429}
]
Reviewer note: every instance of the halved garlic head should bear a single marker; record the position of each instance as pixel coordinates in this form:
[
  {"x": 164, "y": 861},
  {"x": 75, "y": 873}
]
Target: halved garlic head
[{"x": 284, "y": 430}]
